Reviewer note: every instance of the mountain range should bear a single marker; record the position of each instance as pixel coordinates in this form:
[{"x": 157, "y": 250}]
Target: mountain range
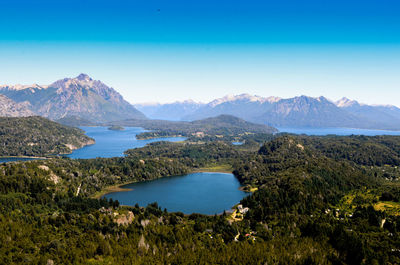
[
  {"x": 299, "y": 111},
  {"x": 82, "y": 100},
  {"x": 81, "y": 96},
  {"x": 169, "y": 111}
]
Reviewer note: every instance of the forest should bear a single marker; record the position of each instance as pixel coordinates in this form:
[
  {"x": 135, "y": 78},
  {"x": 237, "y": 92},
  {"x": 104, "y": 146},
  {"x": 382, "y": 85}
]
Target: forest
[
  {"x": 37, "y": 136},
  {"x": 314, "y": 200},
  {"x": 220, "y": 126}
]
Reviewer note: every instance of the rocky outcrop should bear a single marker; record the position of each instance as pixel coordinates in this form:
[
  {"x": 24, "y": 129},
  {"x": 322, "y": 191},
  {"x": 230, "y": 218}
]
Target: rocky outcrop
[
  {"x": 124, "y": 219},
  {"x": 10, "y": 108}
]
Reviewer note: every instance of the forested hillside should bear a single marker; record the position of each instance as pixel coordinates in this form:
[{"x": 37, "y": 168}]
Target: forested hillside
[
  {"x": 220, "y": 126},
  {"x": 308, "y": 206},
  {"x": 37, "y": 136}
]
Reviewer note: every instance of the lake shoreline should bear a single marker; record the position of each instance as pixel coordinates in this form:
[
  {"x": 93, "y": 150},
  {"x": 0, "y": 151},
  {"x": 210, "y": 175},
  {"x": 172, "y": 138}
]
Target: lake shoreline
[
  {"x": 111, "y": 189},
  {"x": 113, "y": 143},
  {"x": 15, "y": 159},
  {"x": 122, "y": 188},
  {"x": 118, "y": 187}
]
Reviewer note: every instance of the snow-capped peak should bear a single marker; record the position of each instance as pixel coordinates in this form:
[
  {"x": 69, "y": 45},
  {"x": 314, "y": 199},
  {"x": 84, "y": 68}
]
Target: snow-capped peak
[
  {"x": 243, "y": 97},
  {"x": 22, "y": 87},
  {"x": 345, "y": 102}
]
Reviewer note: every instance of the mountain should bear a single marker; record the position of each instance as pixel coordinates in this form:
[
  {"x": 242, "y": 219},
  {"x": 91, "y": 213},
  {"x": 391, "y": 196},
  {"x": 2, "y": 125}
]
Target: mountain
[
  {"x": 148, "y": 108},
  {"x": 300, "y": 111},
  {"x": 222, "y": 125},
  {"x": 170, "y": 111},
  {"x": 387, "y": 116},
  {"x": 244, "y": 106},
  {"x": 80, "y": 96},
  {"x": 38, "y": 136},
  {"x": 75, "y": 121},
  {"x": 306, "y": 111},
  {"x": 294, "y": 112},
  {"x": 10, "y": 108},
  {"x": 229, "y": 124}
]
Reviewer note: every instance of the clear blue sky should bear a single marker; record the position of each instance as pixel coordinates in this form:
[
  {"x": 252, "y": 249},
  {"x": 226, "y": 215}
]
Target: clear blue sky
[{"x": 173, "y": 50}]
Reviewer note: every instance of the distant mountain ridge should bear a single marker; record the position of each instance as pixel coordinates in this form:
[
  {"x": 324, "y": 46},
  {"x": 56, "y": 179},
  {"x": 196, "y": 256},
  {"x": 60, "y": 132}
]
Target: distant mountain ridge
[
  {"x": 302, "y": 111},
  {"x": 386, "y": 115},
  {"x": 82, "y": 100},
  {"x": 169, "y": 111},
  {"x": 80, "y": 96},
  {"x": 10, "y": 108},
  {"x": 224, "y": 125}
]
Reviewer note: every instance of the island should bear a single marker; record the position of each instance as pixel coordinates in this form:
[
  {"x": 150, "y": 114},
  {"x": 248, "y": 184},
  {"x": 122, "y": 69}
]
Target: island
[{"x": 116, "y": 128}]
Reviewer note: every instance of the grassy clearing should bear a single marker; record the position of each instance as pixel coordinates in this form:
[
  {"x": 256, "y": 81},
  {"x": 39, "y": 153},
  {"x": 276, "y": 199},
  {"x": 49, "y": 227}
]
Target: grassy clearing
[
  {"x": 224, "y": 168},
  {"x": 392, "y": 208},
  {"x": 248, "y": 188},
  {"x": 365, "y": 198},
  {"x": 109, "y": 189},
  {"x": 235, "y": 216}
]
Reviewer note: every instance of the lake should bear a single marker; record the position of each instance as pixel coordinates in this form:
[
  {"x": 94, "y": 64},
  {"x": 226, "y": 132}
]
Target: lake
[
  {"x": 12, "y": 159},
  {"x": 337, "y": 131},
  {"x": 111, "y": 143},
  {"x": 205, "y": 193}
]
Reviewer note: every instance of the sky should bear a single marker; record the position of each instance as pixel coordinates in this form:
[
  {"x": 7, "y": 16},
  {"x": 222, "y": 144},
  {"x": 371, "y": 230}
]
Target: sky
[{"x": 175, "y": 50}]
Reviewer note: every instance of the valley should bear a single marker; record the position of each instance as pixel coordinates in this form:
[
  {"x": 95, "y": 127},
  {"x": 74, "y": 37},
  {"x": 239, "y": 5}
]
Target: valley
[
  {"x": 300, "y": 186},
  {"x": 199, "y": 132}
]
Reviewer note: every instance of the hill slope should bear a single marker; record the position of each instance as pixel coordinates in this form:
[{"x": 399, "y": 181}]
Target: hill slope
[
  {"x": 9, "y": 108},
  {"x": 37, "y": 136}
]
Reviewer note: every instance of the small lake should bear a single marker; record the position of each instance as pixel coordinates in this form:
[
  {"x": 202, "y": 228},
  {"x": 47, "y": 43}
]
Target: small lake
[
  {"x": 337, "y": 131},
  {"x": 13, "y": 159},
  {"x": 205, "y": 193},
  {"x": 111, "y": 143}
]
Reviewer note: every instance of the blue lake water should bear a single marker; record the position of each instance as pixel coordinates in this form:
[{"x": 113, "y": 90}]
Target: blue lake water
[
  {"x": 110, "y": 143},
  {"x": 337, "y": 131},
  {"x": 12, "y": 159},
  {"x": 205, "y": 193}
]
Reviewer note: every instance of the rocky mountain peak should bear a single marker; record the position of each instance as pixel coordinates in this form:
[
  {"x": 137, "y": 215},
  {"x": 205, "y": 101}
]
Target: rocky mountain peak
[
  {"x": 83, "y": 77},
  {"x": 345, "y": 102},
  {"x": 22, "y": 87},
  {"x": 244, "y": 98},
  {"x": 81, "y": 96}
]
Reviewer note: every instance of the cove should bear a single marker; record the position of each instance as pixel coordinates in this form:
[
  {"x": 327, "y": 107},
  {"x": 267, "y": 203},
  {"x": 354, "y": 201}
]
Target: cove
[
  {"x": 204, "y": 192},
  {"x": 113, "y": 143}
]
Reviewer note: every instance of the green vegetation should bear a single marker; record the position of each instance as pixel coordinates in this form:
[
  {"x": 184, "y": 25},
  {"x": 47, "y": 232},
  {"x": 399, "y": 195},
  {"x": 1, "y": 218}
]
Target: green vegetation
[
  {"x": 314, "y": 200},
  {"x": 75, "y": 121},
  {"x": 37, "y": 136},
  {"x": 217, "y": 127},
  {"x": 225, "y": 168}
]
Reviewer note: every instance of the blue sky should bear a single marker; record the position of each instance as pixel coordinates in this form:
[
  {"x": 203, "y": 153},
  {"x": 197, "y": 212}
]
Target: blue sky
[{"x": 174, "y": 50}]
